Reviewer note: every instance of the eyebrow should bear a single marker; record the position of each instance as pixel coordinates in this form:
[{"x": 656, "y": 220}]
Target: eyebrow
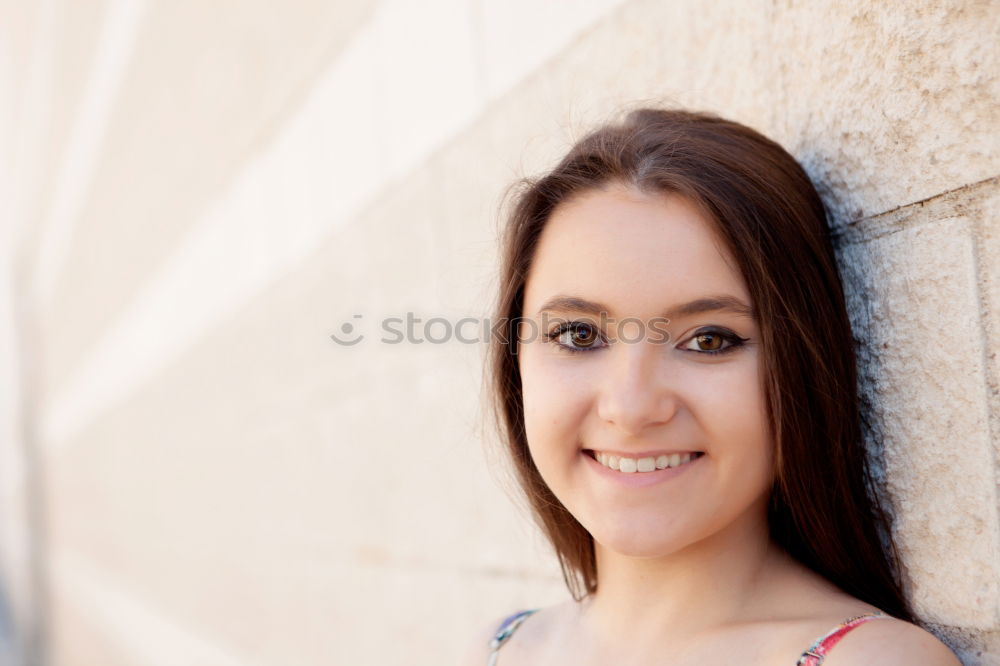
[{"x": 714, "y": 303}]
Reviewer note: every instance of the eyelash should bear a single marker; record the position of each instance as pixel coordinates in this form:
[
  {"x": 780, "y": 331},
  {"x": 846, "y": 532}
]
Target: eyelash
[{"x": 735, "y": 341}]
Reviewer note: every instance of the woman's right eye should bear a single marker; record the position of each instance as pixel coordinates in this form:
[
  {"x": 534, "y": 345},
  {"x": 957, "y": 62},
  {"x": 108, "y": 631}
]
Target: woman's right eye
[{"x": 577, "y": 336}]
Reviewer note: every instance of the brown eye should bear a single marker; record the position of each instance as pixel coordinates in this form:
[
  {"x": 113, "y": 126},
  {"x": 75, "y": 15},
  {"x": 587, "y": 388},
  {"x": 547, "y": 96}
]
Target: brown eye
[
  {"x": 710, "y": 341},
  {"x": 577, "y": 336},
  {"x": 584, "y": 335},
  {"x": 715, "y": 342}
]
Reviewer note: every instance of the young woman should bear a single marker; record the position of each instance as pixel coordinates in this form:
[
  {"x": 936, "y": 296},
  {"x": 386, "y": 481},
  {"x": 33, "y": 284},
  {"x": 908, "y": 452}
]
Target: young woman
[{"x": 677, "y": 393}]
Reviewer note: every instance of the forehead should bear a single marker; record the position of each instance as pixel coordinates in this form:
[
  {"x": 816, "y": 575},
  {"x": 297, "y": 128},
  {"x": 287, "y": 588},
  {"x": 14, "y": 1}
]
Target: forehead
[{"x": 642, "y": 251}]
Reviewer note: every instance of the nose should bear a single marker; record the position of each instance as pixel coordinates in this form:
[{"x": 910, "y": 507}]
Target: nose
[{"x": 636, "y": 393}]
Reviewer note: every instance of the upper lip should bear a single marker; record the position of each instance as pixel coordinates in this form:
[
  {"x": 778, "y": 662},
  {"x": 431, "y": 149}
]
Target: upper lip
[{"x": 643, "y": 454}]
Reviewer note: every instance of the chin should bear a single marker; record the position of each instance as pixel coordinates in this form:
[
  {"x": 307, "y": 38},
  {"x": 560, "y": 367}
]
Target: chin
[{"x": 640, "y": 542}]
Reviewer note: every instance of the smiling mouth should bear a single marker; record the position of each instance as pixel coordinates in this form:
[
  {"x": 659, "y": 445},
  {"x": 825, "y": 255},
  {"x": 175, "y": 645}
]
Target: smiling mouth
[{"x": 630, "y": 465}]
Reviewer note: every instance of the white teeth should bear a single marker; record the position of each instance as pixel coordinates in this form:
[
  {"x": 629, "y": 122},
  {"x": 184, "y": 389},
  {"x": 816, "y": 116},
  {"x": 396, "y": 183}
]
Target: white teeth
[{"x": 648, "y": 464}]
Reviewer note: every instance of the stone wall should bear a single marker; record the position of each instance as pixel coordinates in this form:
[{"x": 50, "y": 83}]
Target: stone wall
[{"x": 205, "y": 192}]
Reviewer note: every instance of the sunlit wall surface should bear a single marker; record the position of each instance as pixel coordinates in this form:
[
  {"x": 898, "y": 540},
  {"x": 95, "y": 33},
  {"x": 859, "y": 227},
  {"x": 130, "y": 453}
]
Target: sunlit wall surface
[{"x": 198, "y": 194}]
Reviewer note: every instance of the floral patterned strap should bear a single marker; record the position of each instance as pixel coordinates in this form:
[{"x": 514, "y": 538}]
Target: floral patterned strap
[
  {"x": 817, "y": 652},
  {"x": 506, "y": 630}
]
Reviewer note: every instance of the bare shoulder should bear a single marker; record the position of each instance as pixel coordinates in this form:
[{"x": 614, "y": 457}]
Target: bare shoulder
[
  {"x": 477, "y": 646},
  {"x": 885, "y": 641},
  {"x": 477, "y": 650},
  {"x": 527, "y": 643},
  {"x": 891, "y": 642}
]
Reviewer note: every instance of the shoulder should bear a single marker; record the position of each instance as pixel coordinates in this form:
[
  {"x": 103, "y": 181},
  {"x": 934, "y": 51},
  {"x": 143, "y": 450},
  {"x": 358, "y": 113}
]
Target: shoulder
[
  {"x": 477, "y": 646},
  {"x": 884, "y": 641},
  {"x": 528, "y": 639},
  {"x": 891, "y": 642},
  {"x": 480, "y": 645}
]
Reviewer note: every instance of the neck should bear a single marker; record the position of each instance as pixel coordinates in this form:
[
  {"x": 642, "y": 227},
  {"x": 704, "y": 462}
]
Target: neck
[{"x": 674, "y": 598}]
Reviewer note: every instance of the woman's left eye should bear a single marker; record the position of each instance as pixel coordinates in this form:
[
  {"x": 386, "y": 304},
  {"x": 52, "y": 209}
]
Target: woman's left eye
[
  {"x": 577, "y": 336},
  {"x": 714, "y": 339}
]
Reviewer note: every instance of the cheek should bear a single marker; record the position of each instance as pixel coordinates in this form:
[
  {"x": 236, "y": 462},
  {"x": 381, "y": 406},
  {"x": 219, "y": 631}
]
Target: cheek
[
  {"x": 732, "y": 409},
  {"x": 555, "y": 399},
  {"x": 745, "y": 427}
]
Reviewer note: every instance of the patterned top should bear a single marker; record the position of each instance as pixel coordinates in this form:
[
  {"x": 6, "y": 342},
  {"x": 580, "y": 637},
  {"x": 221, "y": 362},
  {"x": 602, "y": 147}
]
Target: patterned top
[
  {"x": 813, "y": 656},
  {"x": 817, "y": 652},
  {"x": 505, "y": 631}
]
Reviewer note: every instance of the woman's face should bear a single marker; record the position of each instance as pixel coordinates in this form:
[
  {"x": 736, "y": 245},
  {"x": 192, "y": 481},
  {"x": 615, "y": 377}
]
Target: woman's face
[{"x": 646, "y": 388}]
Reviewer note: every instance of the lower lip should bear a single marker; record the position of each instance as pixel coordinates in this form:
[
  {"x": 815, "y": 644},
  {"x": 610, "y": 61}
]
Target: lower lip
[{"x": 640, "y": 479}]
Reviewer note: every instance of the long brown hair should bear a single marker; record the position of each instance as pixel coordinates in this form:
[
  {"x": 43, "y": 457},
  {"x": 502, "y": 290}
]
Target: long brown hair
[{"x": 824, "y": 508}]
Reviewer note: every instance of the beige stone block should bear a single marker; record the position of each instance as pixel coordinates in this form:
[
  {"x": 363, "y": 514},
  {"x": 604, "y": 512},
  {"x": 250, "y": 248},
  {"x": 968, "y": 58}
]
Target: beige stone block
[
  {"x": 182, "y": 123},
  {"x": 913, "y": 296},
  {"x": 76, "y": 638},
  {"x": 984, "y": 211},
  {"x": 846, "y": 89}
]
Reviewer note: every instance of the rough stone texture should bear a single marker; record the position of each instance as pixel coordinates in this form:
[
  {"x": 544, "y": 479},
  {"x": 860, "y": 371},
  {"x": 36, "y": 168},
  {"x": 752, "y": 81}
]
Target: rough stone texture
[
  {"x": 915, "y": 305},
  {"x": 272, "y": 498}
]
